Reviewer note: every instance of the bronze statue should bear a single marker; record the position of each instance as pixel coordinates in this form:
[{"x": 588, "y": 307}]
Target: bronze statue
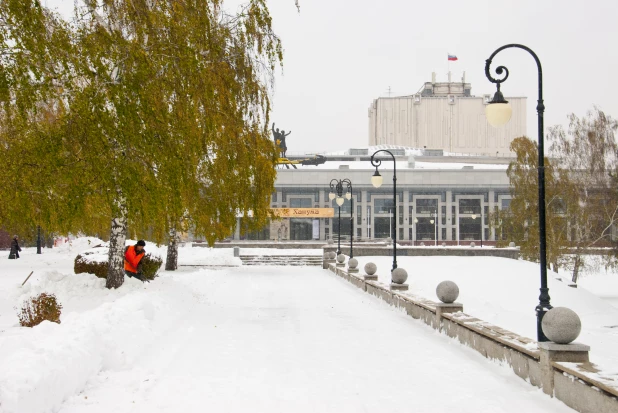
[{"x": 280, "y": 140}]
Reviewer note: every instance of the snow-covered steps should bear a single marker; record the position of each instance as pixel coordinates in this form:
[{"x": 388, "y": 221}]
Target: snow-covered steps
[{"x": 283, "y": 260}]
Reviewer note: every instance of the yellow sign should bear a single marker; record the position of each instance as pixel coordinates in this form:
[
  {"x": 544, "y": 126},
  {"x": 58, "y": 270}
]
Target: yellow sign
[{"x": 304, "y": 212}]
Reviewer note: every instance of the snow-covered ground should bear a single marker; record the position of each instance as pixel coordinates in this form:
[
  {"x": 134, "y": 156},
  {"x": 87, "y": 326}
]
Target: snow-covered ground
[
  {"x": 505, "y": 292},
  {"x": 260, "y": 339}
]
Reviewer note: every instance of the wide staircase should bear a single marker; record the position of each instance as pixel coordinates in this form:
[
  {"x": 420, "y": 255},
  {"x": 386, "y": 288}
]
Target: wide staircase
[{"x": 282, "y": 260}]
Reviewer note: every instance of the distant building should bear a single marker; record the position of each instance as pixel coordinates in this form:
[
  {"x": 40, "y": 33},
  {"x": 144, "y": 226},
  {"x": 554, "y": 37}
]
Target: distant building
[
  {"x": 440, "y": 198},
  {"x": 444, "y": 116}
]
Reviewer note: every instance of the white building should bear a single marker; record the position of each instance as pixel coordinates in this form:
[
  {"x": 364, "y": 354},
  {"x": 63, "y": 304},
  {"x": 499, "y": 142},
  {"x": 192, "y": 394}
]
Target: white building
[
  {"x": 444, "y": 116},
  {"x": 460, "y": 190}
]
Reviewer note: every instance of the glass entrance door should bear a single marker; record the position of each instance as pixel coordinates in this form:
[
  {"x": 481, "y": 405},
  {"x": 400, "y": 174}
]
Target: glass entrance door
[{"x": 301, "y": 229}]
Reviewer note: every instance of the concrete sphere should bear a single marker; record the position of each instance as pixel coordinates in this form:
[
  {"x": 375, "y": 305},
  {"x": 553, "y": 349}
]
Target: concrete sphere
[
  {"x": 447, "y": 292},
  {"x": 353, "y": 263},
  {"x": 327, "y": 255},
  {"x": 422, "y": 244},
  {"x": 399, "y": 276},
  {"x": 389, "y": 240},
  {"x": 561, "y": 325},
  {"x": 472, "y": 244},
  {"x": 444, "y": 244},
  {"x": 332, "y": 255},
  {"x": 370, "y": 268},
  {"x": 330, "y": 241},
  {"x": 511, "y": 244},
  {"x": 340, "y": 258}
]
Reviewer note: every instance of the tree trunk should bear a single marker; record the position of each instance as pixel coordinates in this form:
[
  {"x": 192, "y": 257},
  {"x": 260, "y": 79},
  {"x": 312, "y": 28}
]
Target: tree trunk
[
  {"x": 117, "y": 240},
  {"x": 576, "y": 267},
  {"x": 171, "y": 263}
]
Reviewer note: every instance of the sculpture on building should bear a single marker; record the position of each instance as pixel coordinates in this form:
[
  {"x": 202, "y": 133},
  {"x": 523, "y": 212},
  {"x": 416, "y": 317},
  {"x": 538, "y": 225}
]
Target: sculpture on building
[{"x": 279, "y": 137}]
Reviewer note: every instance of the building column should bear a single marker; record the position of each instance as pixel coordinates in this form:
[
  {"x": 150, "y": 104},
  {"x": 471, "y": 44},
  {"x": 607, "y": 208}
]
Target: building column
[
  {"x": 364, "y": 221},
  {"x": 450, "y": 219},
  {"x": 492, "y": 205},
  {"x": 406, "y": 217},
  {"x": 237, "y": 231}
]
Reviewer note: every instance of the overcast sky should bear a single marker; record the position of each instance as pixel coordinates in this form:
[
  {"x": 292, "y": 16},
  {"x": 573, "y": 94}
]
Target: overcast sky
[{"x": 342, "y": 54}]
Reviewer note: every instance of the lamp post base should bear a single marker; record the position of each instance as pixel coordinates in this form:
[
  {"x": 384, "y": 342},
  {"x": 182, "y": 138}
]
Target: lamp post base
[{"x": 540, "y": 313}]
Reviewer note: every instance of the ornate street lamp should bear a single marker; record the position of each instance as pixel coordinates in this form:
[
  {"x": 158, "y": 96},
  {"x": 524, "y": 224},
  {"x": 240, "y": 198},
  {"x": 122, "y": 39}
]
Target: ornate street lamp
[
  {"x": 336, "y": 191},
  {"x": 498, "y": 113},
  {"x": 376, "y": 181}
]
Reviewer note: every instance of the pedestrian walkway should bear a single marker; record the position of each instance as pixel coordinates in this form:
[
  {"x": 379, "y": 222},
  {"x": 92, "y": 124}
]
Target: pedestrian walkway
[{"x": 275, "y": 339}]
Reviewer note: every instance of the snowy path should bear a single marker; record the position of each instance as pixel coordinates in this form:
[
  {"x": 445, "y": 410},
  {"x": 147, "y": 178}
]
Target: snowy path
[{"x": 280, "y": 340}]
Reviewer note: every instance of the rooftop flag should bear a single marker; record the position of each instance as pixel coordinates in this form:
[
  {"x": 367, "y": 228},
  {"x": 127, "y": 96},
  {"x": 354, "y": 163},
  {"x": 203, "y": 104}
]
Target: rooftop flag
[{"x": 452, "y": 57}]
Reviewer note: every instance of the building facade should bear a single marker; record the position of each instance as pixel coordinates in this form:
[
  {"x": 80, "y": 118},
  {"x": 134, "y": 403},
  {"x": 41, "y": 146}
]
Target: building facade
[
  {"x": 439, "y": 199},
  {"x": 444, "y": 116}
]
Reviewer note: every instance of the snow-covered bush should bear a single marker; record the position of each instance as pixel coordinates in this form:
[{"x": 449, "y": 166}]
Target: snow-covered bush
[
  {"x": 38, "y": 309},
  {"x": 94, "y": 261},
  {"x": 151, "y": 265}
]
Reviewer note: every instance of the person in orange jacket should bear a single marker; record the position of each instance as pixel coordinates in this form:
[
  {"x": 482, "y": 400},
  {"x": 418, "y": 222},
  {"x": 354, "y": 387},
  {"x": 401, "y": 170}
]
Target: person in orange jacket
[{"x": 133, "y": 255}]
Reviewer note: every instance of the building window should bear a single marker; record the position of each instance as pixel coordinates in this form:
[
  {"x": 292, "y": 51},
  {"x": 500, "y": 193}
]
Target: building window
[
  {"x": 346, "y": 208},
  {"x": 425, "y": 229},
  {"x": 383, "y": 206},
  {"x": 359, "y": 213},
  {"x": 301, "y": 203},
  {"x": 506, "y": 203},
  {"x": 426, "y": 206},
  {"x": 470, "y": 206}
]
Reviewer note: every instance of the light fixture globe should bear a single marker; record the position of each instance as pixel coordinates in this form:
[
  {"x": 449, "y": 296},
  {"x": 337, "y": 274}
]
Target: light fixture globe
[
  {"x": 348, "y": 195},
  {"x": 331, "y": 196},
  {"x": 376, "y": 179},
  {"x": 498, "y": 111},
  {"x": 340, "y": 201}
]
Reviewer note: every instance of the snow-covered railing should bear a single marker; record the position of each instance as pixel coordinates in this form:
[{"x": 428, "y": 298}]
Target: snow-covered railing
[{"x": 562, "y": 371}]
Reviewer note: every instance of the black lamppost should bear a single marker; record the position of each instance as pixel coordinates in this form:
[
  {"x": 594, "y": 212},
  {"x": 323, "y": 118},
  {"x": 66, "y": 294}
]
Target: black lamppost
[
  {"x": 336, "y": 191},
  {"x": 498, "y": 113},
  {"x": 38, "y": 239},
  {"x": 376, "y": 181}
]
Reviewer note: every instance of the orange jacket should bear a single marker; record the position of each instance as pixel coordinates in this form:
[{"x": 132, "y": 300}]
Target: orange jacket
[{"x": 132, "y": 258}]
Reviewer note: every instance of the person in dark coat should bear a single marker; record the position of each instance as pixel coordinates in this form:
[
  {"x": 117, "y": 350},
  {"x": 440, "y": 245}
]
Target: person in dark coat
[{"x": 15, "y": 248}]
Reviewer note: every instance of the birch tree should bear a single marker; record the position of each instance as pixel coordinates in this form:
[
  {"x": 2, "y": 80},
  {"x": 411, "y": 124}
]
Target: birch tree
[
  {"x": 162, "y": 114},
  {"x": 581, "y": 193}
]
